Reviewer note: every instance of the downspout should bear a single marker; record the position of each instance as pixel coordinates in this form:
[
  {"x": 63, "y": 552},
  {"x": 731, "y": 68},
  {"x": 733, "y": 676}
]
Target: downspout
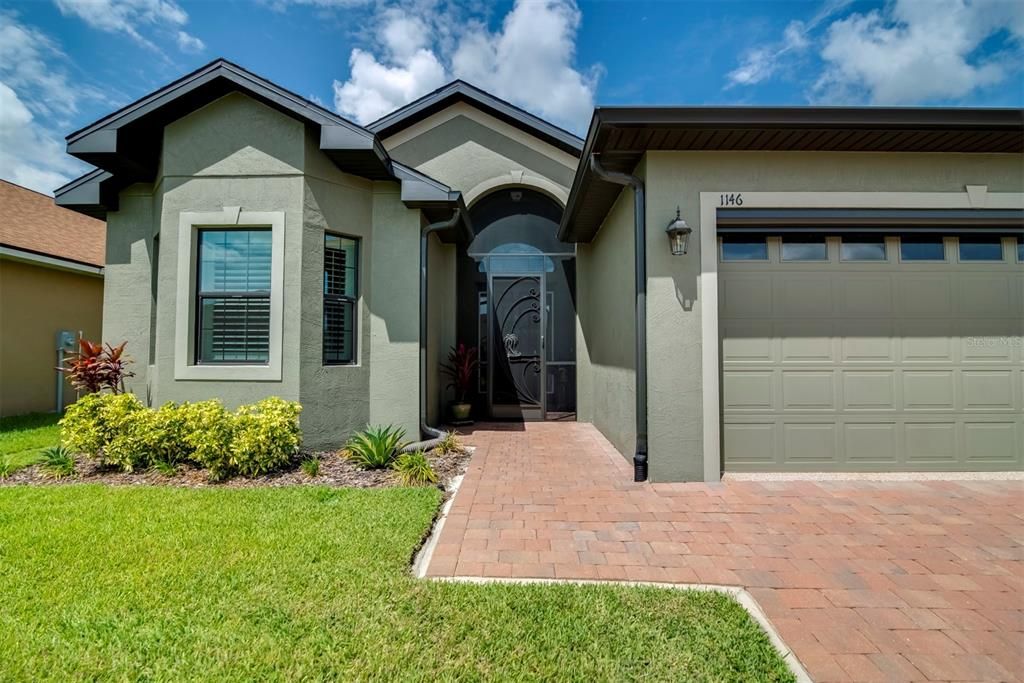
[
  {"x": 432, "y": 434},
  {"x": 640, "y": 272}
]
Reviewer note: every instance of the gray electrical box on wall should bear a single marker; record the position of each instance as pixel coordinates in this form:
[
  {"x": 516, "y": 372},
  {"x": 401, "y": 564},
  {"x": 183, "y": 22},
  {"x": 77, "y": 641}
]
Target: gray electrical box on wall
[{"x": 67, "y": 342}]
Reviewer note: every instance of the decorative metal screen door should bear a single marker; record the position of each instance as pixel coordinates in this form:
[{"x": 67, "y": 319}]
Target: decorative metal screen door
[{"x": 517, "y": 372}]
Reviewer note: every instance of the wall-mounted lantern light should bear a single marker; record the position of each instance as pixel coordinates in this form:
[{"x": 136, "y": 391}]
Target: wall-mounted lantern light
[{"x": 678, "y": 235}]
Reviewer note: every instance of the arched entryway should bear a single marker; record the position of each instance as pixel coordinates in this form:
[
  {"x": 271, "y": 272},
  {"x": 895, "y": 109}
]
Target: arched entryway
[{"x": 517, "y": 304}]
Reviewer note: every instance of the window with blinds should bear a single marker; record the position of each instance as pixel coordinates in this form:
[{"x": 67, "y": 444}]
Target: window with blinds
[
  {"x": 233, "y": 296},
  {"x": 341, "y": 278}
]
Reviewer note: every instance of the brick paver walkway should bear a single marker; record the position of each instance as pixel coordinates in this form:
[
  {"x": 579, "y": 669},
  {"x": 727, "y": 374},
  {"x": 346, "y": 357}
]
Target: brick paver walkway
[{"x": 889, "y": 581}]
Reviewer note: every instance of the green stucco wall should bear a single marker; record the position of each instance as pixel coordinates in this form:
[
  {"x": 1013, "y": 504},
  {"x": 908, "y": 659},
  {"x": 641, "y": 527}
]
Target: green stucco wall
[
  {"x": 605, "y": 348},
  {"x": 238, "y": 152},
  {"x": 674, "y": 306}
]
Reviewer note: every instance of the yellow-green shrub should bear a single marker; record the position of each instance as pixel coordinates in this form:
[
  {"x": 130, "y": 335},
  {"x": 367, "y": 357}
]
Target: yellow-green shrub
[
  {"x": 266, "y": 436},
  {"x": 208, "y": 430},
  {"x": 94, "y": 421},
  {"x": 132, "y": 439}
]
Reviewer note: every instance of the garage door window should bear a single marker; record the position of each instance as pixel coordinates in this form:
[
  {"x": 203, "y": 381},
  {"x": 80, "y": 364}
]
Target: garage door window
[
  {"x": 862, "y": 249},
  {"x": 744, "y": 249},
  {"x": 922, "y": 249},
  {"x": 981, "y": 249},
  {"x": 804, "y": 249}
]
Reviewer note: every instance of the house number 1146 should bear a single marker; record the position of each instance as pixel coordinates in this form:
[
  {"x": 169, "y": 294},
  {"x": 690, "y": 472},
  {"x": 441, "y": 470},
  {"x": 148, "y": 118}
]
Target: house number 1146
[{"x": 731, "y": 199}]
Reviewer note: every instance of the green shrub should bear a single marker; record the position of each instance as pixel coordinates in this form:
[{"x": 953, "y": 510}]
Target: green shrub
[
  {"x": 81, "y": 429},
  {"x": 374, "y": 447},
  {"x": 266, "y": 436},
  {"x": 449, "y": 443},
  {"x": 132, "y": 441},
  {"x": 58, "y": 462},
  {"x": 6, "y": 467},
  {"x": 311, "y": 466},
  {"x": 208, "y": 429},
  {"x": 414, "y": 469}
]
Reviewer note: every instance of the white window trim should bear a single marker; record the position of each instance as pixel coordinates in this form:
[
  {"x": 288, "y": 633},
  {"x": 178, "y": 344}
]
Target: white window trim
[
  {"x": 189, "y": 224},
  {"x": 973, "y": 197}
]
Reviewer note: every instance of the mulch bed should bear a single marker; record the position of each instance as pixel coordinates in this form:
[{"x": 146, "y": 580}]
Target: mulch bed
[{"x": 334, "y": 471}]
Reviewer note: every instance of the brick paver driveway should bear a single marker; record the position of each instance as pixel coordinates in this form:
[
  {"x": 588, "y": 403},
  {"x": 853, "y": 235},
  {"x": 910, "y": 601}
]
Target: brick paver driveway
[{"x": 866, "y": 581}]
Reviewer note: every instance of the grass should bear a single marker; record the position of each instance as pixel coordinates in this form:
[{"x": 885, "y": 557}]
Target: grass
[
  {"x": 310, "y": 583},
  {"x": 24, "y": 437}
]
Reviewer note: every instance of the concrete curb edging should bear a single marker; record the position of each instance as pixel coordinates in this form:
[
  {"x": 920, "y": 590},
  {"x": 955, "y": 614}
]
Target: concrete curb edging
[{"x": 744, "y": 598}]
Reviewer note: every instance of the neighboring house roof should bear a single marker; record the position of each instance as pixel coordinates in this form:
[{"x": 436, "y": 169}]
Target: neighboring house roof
[
  {"x": 31, "y": 222},
  {"x": 460, "y": 91},
  {"x": 125, "y": 145},
  {"x": 622, "y": 135}
]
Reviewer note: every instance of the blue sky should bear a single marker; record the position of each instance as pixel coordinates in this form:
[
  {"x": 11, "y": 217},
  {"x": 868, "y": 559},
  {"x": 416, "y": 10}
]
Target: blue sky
[{"x": 65, "y": 63}]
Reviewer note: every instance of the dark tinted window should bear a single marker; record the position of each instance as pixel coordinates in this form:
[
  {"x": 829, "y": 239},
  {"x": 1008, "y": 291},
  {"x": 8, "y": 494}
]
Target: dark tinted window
[
  {"x": 341, "y": 277},
  {"x": 922, "y": 249},
  {"x": 981, "y": 249},
  {"x": 744, "y": 249},
  {"x": 804, "y": 249},
  {"x": 1020, "y": 249},
  {"x": 862, "y": 249},
  {"x": 233, "y": 295}
]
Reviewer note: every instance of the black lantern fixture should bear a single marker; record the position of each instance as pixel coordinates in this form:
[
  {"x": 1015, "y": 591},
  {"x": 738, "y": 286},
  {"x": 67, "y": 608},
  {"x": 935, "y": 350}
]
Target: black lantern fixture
[{"x": 678, "y": 235}]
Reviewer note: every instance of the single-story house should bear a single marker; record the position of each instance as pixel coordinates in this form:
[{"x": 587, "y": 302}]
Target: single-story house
[
  {"x": 814, "y": 288},
  {"x": 51, "y": 291}
]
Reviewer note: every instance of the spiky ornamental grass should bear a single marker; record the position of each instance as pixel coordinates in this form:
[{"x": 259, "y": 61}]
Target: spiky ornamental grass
[{"x": 310, "y": 583}]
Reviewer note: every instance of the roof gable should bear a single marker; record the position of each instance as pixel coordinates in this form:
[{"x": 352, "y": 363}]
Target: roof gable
[{"x": 460, "y": 91}]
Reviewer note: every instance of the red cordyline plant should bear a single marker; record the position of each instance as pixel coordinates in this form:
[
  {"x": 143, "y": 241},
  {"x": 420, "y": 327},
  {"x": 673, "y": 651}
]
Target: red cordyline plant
[
  {"x": 459, "y": 369},
  {"x": 95, "y": 367}
]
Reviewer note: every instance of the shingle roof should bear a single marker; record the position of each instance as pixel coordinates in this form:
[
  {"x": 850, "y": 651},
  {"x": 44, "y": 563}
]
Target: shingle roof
[{"x": 31, "y": 221}]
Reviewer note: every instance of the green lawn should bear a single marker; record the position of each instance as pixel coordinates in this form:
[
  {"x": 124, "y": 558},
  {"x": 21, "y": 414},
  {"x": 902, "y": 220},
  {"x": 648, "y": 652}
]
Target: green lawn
[
  {"x": 308, "y": 583},
  {"x": 23, "y": 437}
]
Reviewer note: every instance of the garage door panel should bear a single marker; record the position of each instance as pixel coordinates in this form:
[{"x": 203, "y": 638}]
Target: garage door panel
[
  {"x": 865, "y": 295},
  {"x": 871, "y": 442},
  {"x": 929, "y": 390},
  {"x": 924, "y": 295},
  {"x": 843, "y": 366},
  {"x": 991, "y": 441},
  {"x": 747, "y": 341},
  {"x": 927, "y": 340},
  {"x": 867, "y": 341},
  {"x": 808, "y": 390},
  {"x": 869, "y": 390},
  {"x": 748, "y": 390},
  {"x": 802, "y": 295},
  {"x": 805, "y": 341},
  {"x": 988, "y": 390}
]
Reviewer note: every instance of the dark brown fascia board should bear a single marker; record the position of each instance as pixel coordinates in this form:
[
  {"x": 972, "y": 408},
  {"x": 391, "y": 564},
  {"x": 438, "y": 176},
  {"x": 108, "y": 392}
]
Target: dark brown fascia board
[
  {"x": 856, "y": 118},
  {"x": 462, "y": 91},
  {"x": 93, "y": 194}
]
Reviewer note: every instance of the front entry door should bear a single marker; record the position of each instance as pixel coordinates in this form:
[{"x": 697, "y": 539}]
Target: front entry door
[{"x": 516, "y": 363}]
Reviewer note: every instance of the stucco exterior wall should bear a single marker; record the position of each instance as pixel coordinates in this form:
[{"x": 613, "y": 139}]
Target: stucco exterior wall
[
  {"x": 35, "y": 303},
  {"x": 605, "y": 296},
  {"x": 475, "y": 153},
  {"x": 674, "y": 305},
  {"x": 238, "y": 152}
]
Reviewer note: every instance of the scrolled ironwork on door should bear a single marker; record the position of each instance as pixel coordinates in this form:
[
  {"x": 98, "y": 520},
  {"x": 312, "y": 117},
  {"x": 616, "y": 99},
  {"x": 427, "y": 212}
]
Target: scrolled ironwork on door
[{"x": 516, "y": 311}]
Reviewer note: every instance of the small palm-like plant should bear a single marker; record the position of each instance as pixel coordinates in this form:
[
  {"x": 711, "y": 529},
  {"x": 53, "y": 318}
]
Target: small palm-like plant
[
  {"x": 414, "y": 469},
  {"x": 58, "y": 462},
  {"x": 165, "y": 467},
  {"x": 449, "y": 443},
  {"x": 374, "y": 447},
  {"x": 95, "y": 367},
  {"x": 459, "y": 369},
  {"x": 311, "y": 466},
  {"x": 6, "y": 467}
]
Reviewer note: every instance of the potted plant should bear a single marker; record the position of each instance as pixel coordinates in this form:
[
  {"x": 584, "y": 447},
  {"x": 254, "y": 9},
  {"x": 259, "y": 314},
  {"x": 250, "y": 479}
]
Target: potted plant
[{"x": 459, "y": 369}]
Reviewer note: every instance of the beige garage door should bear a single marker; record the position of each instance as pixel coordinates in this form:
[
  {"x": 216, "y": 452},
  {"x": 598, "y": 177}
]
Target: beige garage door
[{"x": 850, "y": 364}]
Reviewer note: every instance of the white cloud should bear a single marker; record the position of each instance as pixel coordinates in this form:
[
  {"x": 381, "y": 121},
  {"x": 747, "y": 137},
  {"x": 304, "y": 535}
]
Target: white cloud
[
  {"x": 26, "y": 61},
  {"x": 761, "y": 62},
  {"x": 131, "y": 16},
  {"x": 918, "y": 51},
  {"x": 528, "y": 61},
  {"x": 189, "y": 43},
  {"x": 31, "y": 155}
]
